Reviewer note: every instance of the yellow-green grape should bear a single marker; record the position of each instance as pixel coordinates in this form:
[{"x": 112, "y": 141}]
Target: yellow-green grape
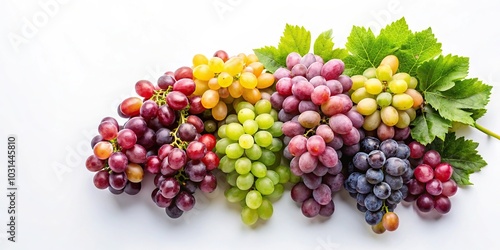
[
  {"x": 413, "y": 83},
  {"x": 248, "y": 80},
  {"x": 398, "y": 86},
  {"x": 203, "y": 72},
  {"x": 265, "y": 210},
  {"x": 403, "y": 120},
  {"x": 360, "y": 94},
  {"x": 372, "y": 121},
  {"x": 249, "y": 216},
  {"x": 384, "y": 99},
  {"x": 389, "y": 116},
  {"x": 384, "y": 73},
  {"x": 234, "y": 194},
  {"x": 234, "y": 66},
  {"x": 402, "y": 101},
  {"x": 199, "y": 59},
  {"x": 402, "y": 76},
  {"x": 253, "y": 199},
  {"x": 246, "y": 141},
  {"x": 374, "y": 86},
  {"x": 411, "y": 113},
  {"x": 224, "y": 79},
  {"x": 367, "y": 106},
  {"x": 216, "y": 64},
  {"x": 370, "y": 73},
  {"x": 358, "y": 81}
]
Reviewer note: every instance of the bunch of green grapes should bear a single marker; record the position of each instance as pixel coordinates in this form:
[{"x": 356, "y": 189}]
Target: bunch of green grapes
[
  {"x": 250, "y": 147},
  {"x": 387, "y": 99},
  {"x": 222, "y": 79}
]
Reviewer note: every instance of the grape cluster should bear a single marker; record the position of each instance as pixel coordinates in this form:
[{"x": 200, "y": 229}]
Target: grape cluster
[
  {"x": 318, "y": 123},
  {"x": 163, "y": 136},
  {"x": 222, "y": 79},
  {"x": 431, "y": 185},
  {"x": 118, "y": 151},
  {"x": 387, "y": 99},
  {"x": 251, "y": 149},
  {"x": 377, "y": 177}
]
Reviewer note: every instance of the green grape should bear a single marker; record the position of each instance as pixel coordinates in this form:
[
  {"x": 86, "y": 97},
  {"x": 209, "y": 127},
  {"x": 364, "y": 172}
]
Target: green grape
[
  {"x": 411, "y": 113},
  {"x": 275, "y": 129},
  {"x": 268, "y": 157},
  {"x": 278, "y": 192},
  {"x": 234, "y": 194},
  {"x": 274, "y": 114},
  {"x": 398, "y": 86},
  {"x": 263, "y": 106},
  {"x": 253, "y": 199},
  {"x": 413, "y": 83},
  {"x": 384, "y": 73},
  {"x": 358, "y": 81},
  {"x": 231, "y": 118},
  {"x": 402, "y": 101},
  {"x": 226, "y": 164},
  {"x": 360, "y": 94},
  {"x": 372, "y": 121},
  {"x": 284, "y": 173},
  {"x": 244, "y": 104},
  {"x": 264, "y": 121},
  {"x": 243, "y": 165},
  {"x": 263, "y": 138},
  {"x": 234, "y": 131},
  {"x": 265, "y": 211},
  {"x": 249, "y": 216},
  {"x": 384, "y": 99},
  {"x": 231, "y": 178},
  {"x": 222, "y": 131},
  {"x": 389, "y": 116},
  {"x": 259, "y": 170},
  {"x": 250, "y": 127},
  {"x": 245, "y": 114},
  {"x": 264, "y": 185},
  {"x": 254, "y": 153},
  {"x": 276, "y": 145},
  {"x": 293, "y": 179},
  {"x": 374, "y": 86},
  {"x": 273, "y": 175},
  {"x": 246, "y": 141},
  {"x": 367, "y": 106},
  {"x": 402, "y": 76},
  {"x": 210, "y": 126},
  {"x": 221, "y": 145},
  {"x": 234, "y": 151},
  {"x": 370, "y": 73},
  {"x": 403, "y": 120},
  {"x": 245, "y": 181}
]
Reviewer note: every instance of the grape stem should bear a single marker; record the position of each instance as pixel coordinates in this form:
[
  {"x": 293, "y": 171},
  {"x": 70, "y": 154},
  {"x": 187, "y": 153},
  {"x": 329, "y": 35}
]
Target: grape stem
[
  {"x": 177, "y": 141},
  {"x": 486, "y": 131}
]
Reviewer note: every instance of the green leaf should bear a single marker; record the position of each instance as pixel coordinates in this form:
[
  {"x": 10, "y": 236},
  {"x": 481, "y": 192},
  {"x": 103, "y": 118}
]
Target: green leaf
[
  {"x": 339, "y": 53},
  {"x": 295, "y": 39},
  {"x": 396, "y": 32},
  {"x": 428, "y": 126},
  {"x": 455, "y": 104},
  {"x": 439, "y": 74},
  {"x": 419, "y": 48},
  {"x": 461, "y": 154},
  {"x": 476, "y": 113},
  {"x": 323, "y": 45},
  {"x": 365, "y": 50},
  {"x": 271, "y": 58}
]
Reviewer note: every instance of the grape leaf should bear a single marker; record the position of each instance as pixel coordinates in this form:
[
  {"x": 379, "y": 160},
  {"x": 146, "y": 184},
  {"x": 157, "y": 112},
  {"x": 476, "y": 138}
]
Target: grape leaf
[
  {"x": 428, "y": 126},
  {"x": 420, "y": 47},
  {"x": 323, "y": 47},
  {"x": 455, "y": 104},
  {"x": 365, "y": 50},
  {"x": 271, "y": 57},
  {"x": 397, "y": 32},
  {"x": 439, "y": 74},
  {"x": 295, "y": 39},
  {"x": 461, "y": 154}
]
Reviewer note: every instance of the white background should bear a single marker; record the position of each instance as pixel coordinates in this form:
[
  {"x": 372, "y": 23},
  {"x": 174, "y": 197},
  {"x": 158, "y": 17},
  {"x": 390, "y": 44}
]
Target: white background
[{"x": 63, "y": 69}]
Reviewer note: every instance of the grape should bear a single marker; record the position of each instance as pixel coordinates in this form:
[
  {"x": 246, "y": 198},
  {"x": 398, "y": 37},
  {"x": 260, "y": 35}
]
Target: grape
[
  {"x": 382, "y": 190},
  {"x": 442, "y": 204},
  {"x": 132, "y": 188},
  {"x": 117, "y": 180},
  {"x": 101, "y": 179},
  {"x": 432, "y": 158},
  {"x": 138, "y": 125},
  {"x": 292, "y": 59},
  {"x": 131, "y": 106},
  {"x": 340, "y": 124},
  {"x": 184, "y": 201},
  {"x": 423, "y": 173},
  {"x": 425, "y": 203},
  {"x": 390, "y": 221},
  {"x": 117, "y": 162},
  {"x": 107, "y": 130},
  {"x": 94, "y": 164},
  {"x": 310, "y": 208},
  {"x": 166, "y": 115},
  {"x": 103, "y": 149},
  {"x": 434, "y": 187},
  {"x": 372, "y": 202}
]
